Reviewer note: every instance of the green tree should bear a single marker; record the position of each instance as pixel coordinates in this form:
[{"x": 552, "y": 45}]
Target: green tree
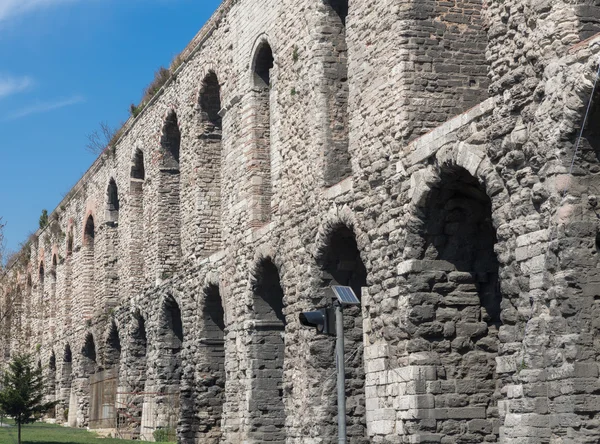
[
  {"x": 44, "y": 219},
  {"x": 22, "y": 392}
]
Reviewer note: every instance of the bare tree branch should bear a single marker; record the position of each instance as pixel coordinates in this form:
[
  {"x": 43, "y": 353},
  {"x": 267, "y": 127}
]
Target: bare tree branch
[
  {"x": 99, "y": 139},
  {"x": 2, "y": 245}
]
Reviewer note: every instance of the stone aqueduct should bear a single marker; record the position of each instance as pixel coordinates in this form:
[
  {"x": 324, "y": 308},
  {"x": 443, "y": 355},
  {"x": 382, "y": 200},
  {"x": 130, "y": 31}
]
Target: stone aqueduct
[{"x": 423, "y": 152}]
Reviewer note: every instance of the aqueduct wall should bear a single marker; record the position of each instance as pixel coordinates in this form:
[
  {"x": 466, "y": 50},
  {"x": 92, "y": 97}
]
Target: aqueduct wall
[{"x": 422, "y": 152}]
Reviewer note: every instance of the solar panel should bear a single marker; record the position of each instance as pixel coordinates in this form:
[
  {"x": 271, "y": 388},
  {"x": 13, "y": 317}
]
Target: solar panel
[{"x": 345, "y": 295}]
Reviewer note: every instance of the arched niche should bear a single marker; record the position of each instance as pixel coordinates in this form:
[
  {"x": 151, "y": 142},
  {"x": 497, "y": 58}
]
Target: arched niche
[
  {"x": 112, "y": 202},
  {"x": 267, "y": 409}
]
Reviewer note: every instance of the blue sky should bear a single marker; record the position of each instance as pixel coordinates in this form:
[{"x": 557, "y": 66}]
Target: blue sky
[{"x": 66, "y": 66}]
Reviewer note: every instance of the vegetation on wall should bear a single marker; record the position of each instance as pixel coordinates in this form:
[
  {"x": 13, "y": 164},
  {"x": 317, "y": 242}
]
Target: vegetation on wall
[
  {"x": 43, "y": 219},
  {"x": 161, "y": 77}
]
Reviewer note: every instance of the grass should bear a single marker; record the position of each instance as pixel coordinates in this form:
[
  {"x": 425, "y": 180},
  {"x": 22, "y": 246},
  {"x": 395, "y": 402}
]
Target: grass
[{"x": 41, "y": 433}]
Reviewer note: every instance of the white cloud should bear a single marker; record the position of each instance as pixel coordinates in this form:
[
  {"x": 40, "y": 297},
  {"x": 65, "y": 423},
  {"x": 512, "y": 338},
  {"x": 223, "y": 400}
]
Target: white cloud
[
  {"x": 44, "y": 107},
  {"x": 11, "y": 85},
  {"x": 11, "y": 8}
]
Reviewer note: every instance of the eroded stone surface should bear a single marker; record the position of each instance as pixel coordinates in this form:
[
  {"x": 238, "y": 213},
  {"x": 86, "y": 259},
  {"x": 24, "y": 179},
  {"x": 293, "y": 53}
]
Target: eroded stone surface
[{"x": 182, "y": 258}]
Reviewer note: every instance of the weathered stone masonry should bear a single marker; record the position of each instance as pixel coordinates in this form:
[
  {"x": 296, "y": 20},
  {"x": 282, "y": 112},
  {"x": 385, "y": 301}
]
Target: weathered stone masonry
[{"x": 418, "y": 151}]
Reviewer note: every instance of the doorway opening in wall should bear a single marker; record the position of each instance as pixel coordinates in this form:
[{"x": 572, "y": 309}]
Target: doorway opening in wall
[
  {"x": 457, "y": 238},
  {"x": 342, "y": 264},
  {"x": 267, "y": 410}
]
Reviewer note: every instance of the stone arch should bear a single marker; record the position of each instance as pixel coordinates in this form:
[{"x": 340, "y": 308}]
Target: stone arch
[
  {"x": 169, "y": 371},
  {"x": 209, "y": 100},
  {"x": 473, "y": 160},
  {"x": 135, "y": 377},
  {"x": 52, "y": 308},
  {"x": 260, "y": 165},
  {"x": 334, "y": 87},
  {"x": 168, "y": 217},
  {"x": 139, "y": 333},
  {"x": 69, "y": 242},
  {"x": 337, "y": 216},
  {"x": 88, "y": 274},
  {"x": 210, "y": 134},
  {"x": 67, "y": 367},
  {"x": 66, "y": 381},
  {"x": 267, "y": 409},
  {"x": 264, "y": 40},
  {"x": 112, "y": 202},
  {"x": 43, "y": 303},
  {"x": 172, "y": 319},
  {"x": 41, "y": 273},
  {"x": 112, "y": 355},
  {"x": 170, "y": 141},
  {"x": 340, "y": 261},
  {"x": 29, "y": 330},
  {"x": 453, "y": 238},
  {"x": 51, "y": 384},
  {"x": 137, "y": 253},
  {"x": 211, "y": 388},
  {"x": 138, "y": 169},
  {"x": 89, "y": 354},
  {"x": 89, "y": 231}
]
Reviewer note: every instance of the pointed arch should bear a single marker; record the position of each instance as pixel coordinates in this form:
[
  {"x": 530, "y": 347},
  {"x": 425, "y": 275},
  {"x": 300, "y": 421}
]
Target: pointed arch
[
  {"x": 262, "y": 65},
  {"x": 113, "y": 347},
  {"x": 211, "y": 388},
  {"x": 138, "y": 170},
  {"x": 259, "y": 166},
  {"x": 337, "y": 164},
  {"x": 341, "y": 263},
  {"x": 267, "y": 413},
  {"x": 210, "y": 105},
  {"x": 66, "y": 381},
  {"x": 43, "y": 304},
  {"x": 453, "y": 232},
  {"x": 88, "y": 272},
  {"x": 208, "y": 216},
  {"x": 170, "y": 369},
  {"x": 170, "y": 141},
  {"x": 67, "y": 355},
  {"x": 112, "y": 202},
  {"x": 89, "y": 348},
  {"x": 173, "y": 322},
  {"x": 89, "y": 233},
  {"x": 137, "y": 373},
  {"x": 51, "y": 387},
  {"x": 41, "y": 273},
  {"x": 52, "y": 361},
  {"x": 168, "y": 243},
  {"x": 139, "y": 336},
  {"x": 136, "y": 245},
  {"x": 69, "y": 246}
]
